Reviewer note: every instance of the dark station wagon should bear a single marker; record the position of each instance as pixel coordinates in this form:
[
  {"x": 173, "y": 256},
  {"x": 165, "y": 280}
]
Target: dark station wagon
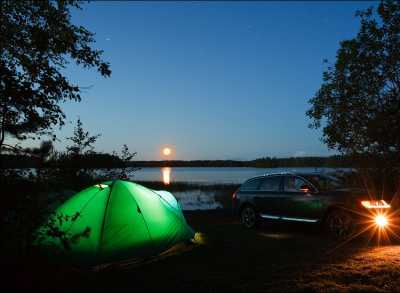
[{"x": 309, "y": 198}]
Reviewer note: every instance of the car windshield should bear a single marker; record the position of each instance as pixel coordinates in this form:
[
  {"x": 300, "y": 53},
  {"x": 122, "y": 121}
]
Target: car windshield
[{"x": 325, "y": 182}]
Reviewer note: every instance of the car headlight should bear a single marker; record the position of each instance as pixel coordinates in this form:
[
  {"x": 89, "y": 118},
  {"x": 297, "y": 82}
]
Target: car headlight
[
  {"x": 375, "y": 204},
  {"x": 381, "y": 221}
]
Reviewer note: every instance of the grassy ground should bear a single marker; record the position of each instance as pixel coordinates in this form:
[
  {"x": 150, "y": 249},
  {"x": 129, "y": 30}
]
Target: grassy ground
[{"x": 279, "y": 258}]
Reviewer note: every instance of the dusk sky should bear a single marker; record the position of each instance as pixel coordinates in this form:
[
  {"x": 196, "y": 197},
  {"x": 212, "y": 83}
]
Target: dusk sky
[{"x": 211, "y": 80}]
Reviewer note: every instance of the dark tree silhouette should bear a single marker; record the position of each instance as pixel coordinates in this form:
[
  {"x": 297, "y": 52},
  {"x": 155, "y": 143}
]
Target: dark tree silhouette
[
  {"x": 37, "y": 41},
  {"x": 359, "y": 100},
  {"x": 42, "y": 152},
  {"x": 126, "y": 167},
  {"x": 126, "y": 157},
  {"x": 82, "y": 140},
  {"x": 78, "y": 153}
]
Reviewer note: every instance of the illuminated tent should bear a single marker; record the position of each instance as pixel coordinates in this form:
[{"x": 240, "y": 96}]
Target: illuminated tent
[{"x": 115, "y": 221}]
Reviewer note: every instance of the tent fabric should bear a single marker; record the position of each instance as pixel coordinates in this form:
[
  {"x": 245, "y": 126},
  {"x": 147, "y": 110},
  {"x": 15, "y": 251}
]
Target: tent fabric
[
  {"x": 119, "y": 220},
  {"x": 170, "y": 199}
]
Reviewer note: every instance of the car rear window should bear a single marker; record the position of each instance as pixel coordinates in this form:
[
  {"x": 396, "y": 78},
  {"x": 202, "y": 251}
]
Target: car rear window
[
  {"x": 252, "y": 184},
  {"x": 271, "y": 184},
  {"x": 293, "y": 184}
]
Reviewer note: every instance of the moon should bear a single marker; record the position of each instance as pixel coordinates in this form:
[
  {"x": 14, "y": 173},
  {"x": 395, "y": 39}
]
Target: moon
[{"x": 166, "y": 151}]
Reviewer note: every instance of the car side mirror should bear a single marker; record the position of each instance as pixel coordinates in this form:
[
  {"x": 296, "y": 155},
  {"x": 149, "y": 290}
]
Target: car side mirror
[{"x": 305, "y": 188}]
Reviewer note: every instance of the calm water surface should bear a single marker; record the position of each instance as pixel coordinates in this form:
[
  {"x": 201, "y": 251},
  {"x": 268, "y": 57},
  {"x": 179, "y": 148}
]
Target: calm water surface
[
  {"x": 207, "y": 175},
  {"x": 197, "y": 199}
]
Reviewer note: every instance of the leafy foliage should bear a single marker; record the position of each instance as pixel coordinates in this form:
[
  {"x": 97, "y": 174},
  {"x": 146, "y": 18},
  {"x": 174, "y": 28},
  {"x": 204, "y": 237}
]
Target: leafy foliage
[
  {"x": 43, "y": 152},
  {"x": 76, "y": 155},
  {"x": 359, "y": 100},
  {"x": 126, "y": 156},
  {"x": 125, "y": 164},
  {"x": 52, "y": 230},
  {"x": 37, "y": 42},
  {"x": 83, "y": 141}
]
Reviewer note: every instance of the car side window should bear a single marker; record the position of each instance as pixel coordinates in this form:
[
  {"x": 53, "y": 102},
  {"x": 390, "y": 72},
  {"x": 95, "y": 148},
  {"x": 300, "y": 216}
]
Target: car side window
[
  {"x": 293, "y": 183},
  {"x": 271, "y": 184},
  {"x": 251, "y": 185}
]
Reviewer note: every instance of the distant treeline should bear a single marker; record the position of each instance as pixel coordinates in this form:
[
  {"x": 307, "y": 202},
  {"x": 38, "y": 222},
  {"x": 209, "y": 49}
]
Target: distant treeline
[
  {"x": 94, "y": 160},
  {"x": 267, "y": 162},
  {"x": 103, "y": 160}
]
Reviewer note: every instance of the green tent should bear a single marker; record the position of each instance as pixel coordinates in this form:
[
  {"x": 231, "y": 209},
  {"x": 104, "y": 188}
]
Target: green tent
[{"x": 115, "y": 221}]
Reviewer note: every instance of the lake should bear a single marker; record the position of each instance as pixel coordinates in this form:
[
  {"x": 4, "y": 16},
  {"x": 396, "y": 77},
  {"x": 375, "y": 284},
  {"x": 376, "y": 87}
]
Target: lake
[
  {"x": 215, "y": 175},
  {"x": 198, "y": 199}
]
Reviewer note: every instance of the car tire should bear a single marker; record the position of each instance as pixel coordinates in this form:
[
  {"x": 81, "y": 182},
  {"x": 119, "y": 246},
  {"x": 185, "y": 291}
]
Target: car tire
[
  {"x": 339, "y": 223},
  {"x": 249, "y": 217}
]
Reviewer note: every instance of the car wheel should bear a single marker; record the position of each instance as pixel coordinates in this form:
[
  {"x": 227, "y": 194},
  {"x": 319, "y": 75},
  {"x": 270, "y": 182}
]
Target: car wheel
[
  {"x": 339, "y": 223},
  {"x": 248, "y": 217}
]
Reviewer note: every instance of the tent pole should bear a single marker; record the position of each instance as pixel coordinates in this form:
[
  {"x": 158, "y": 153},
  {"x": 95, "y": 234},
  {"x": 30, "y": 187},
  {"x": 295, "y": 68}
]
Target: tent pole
[{"x": 104, "y": 218}]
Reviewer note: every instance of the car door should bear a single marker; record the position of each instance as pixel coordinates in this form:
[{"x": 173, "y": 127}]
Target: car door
[
  {"x": 298, "y": 204},
  {"x": 249, "y": 190},
  {"x": 268, "y": 196}
]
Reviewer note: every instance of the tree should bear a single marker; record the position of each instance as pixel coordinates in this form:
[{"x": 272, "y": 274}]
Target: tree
[
  {"x": 74, "y": 160},
  {"x": 37, "y": 42},
  {"x": 124, "y": 162},
  {"x": 83, "y": 141},
  {"x": 358, "y": 103},
  {"x": 42, "y": 154},
  {"x": 359, "y": 100},
  {"x": 126, "y": 157}
]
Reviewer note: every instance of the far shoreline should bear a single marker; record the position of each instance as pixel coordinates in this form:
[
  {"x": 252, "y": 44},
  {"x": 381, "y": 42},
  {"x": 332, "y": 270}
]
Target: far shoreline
[{"x": 103, "y": 160}]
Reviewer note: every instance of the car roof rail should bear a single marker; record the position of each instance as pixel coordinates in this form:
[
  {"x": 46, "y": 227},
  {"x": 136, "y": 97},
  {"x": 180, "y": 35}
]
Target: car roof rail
[{"x": 280, "y": 173}]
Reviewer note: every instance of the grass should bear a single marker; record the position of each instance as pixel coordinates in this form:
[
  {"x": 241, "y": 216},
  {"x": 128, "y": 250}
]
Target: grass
[{"x": 280, "y": 258}]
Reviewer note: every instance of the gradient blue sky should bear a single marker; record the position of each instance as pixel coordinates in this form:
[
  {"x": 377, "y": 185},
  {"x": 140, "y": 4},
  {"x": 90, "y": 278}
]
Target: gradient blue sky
[{"x": 212, "y": 80}]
